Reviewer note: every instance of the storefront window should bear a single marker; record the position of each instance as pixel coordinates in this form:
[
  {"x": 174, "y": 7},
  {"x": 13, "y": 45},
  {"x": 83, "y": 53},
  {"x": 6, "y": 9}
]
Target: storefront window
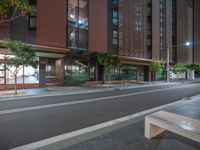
[
  {"x": 2, "y": 74},
  {"x": 10, "y": 79},
  {"x": 25, "y": 75},
  {"x": 75, "y": 72},
  {"x": 2, "y": 56},
  {"x": 51, "y": 71},
  {"x": 126, "y": 72},
  {"x": 31, "y": 75}
]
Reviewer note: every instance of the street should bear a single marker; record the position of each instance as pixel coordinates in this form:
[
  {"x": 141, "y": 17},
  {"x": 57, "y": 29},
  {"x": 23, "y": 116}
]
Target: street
[{"x": 27, "y": 120}]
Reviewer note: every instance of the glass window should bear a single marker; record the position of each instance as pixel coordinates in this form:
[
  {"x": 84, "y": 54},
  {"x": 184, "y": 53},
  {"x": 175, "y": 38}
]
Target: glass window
[
  {"x": 78, "y": 24},
  {"x": 31, "y": 75},
  {"x": 114, "y": 42},
  {"x": 25, "y": 74},
  {"x": 163, "y": 53},
  {"x": 32, "y": 16},
  {"x": 115, "y": 34},
  {"x": 114, "y": 23},
  {"x": 10, "y": 79},
  {"x": 2, "y": 56},
  {"x": 76, "y": 72},
  {"x": 115, "y": 2},
  {"x": 1, "y": 67},
  {"x": 2, "y": 74},
  {"x": 1, "y": 80},
  {"x": 50, "y": 71}
]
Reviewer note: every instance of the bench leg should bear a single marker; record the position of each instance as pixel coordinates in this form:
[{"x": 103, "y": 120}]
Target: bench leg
[{"x": 151, "y": 130}]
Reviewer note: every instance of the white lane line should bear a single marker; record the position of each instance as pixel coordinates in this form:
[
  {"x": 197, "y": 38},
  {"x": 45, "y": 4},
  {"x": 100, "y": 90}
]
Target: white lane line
[
  {"x": 73, "y": 93},
  {"x": 67, "y": 139},
  {"x": 79, "y": 102}
]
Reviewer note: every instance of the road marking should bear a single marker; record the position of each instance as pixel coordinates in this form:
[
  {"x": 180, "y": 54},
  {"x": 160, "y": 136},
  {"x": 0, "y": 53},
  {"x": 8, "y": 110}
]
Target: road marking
[
  {"x": 68, "y": 139},
  {"x": 79, "y": 102},
  {"x": 72, "y": 93}
]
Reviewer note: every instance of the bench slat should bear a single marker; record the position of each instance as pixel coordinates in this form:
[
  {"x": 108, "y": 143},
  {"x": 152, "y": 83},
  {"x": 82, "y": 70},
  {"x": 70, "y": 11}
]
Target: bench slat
[
  {"x": 176, "y": 120},
  {"x": 158, "y": 122}
]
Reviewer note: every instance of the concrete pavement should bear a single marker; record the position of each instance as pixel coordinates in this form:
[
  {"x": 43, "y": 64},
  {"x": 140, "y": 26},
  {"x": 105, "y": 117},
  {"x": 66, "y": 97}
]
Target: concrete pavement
[{"x": 132, "y": 136}]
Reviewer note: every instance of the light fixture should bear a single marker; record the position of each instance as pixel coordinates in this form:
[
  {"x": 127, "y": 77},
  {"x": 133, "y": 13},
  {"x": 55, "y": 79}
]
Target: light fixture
[
  {"x": 187, "y": 43},
  {"x": 72, "y": 16},
  {"x": 80, "y": 21}
]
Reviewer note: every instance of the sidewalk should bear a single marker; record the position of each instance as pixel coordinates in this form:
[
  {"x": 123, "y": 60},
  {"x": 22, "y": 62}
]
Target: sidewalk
[
  {"x": 85, "y": 88},
  {"x": 132, "y": 136}
]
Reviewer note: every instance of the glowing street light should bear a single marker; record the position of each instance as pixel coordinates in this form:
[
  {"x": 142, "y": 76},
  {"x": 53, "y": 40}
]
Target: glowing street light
[{"x": 186, "y": 44}]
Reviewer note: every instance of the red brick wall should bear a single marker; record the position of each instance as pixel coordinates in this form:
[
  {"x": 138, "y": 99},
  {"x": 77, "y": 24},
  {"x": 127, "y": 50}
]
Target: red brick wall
[
  {"x": 132, "y": 41},
  {"x": 4, "y": 31},
  {"x": 98, "y": 23},
  {"x": 19, "y": 86},
  {"x": 51, "y": 22}
]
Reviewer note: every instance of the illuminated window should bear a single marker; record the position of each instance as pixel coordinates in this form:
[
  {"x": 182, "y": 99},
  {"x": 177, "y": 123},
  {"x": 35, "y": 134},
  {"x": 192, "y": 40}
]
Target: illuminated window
[{"x": 78, "y": 24}]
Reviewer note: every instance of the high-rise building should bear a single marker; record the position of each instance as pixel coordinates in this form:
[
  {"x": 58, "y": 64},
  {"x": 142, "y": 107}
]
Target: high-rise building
[{"x": 69, "y": 35}]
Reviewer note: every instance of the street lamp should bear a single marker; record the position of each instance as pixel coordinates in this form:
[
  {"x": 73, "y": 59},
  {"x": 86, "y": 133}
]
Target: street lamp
[{"x": 186, "y": 44}]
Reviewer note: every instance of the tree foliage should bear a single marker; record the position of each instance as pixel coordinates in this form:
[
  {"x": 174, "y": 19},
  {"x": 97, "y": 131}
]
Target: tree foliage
[
  {"x": 23, "y": 55},
  {"x": 195, "y": 67},
  {"x": 109, "y": 62},
  {"x": 178, "y": 69},
  {"x": 13, "y": 9},
  {"x": 157, "y": 66}
]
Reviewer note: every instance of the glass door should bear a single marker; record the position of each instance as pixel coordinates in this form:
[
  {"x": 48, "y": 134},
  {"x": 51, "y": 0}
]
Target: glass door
[{"x": 50, "y": 71}]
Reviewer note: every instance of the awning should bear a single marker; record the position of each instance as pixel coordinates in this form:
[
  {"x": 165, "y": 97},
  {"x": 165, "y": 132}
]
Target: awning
[{"x": 50, "y": 55}]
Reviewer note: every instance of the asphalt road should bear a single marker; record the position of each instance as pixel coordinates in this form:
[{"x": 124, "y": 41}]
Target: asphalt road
[{"x": 50, "y": 116}]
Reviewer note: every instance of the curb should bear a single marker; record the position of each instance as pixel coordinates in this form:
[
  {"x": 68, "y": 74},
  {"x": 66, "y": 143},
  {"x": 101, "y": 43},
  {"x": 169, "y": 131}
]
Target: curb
[
  {"x": 105, "y": 89},
  {"x": 68, "y": 139}
]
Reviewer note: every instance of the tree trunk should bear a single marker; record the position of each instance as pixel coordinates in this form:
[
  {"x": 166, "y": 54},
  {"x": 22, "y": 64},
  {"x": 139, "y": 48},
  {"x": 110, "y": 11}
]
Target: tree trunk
[
  {"x": 15, "y": 84},
  {"x": 104, "y": 75},
  {"x": 177, "y": 77},
  {"x": 109, "y": 80},
  {"x": 153, "y": 76}
]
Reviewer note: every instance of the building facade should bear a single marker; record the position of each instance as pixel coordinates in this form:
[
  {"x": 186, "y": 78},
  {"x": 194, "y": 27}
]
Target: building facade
[{"x": 69, "y": 35}]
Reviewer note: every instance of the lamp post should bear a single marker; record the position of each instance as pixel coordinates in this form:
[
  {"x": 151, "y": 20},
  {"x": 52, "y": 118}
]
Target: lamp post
[
  {"x": 167, "y": 63},
  {"x": 186, "y": 44}
]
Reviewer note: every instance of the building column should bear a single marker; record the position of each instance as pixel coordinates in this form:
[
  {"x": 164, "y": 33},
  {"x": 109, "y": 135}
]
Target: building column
[
  {"x": 140, "y": 74},
  {"x": 59, "y": 71},
  {"x": 190, "y": 74},
  {"x": 42, "y": 72}
]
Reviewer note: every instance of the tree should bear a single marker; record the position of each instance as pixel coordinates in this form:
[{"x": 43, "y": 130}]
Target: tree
[
  {"x": 13, "y": 9},
  {"x": 195, "y": 67},
  {"x": 178, "y": 69},
  {"x": 110, "y": 63},
  {"x": 156, "y": 66},
  {"x": 23, "y": 55}
]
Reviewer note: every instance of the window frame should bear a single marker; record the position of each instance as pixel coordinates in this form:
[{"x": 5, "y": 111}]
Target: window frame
[{"x": 32, "y": 3}]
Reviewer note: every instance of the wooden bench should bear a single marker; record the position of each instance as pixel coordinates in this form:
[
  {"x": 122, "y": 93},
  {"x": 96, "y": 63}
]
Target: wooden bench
[{"x": 158, "y": 122}]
